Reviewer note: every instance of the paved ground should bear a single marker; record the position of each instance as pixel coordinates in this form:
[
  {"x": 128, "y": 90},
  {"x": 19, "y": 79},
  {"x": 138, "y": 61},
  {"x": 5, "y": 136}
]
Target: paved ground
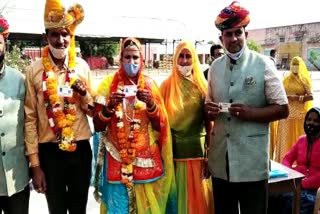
[{"x": 38, "y": 202}]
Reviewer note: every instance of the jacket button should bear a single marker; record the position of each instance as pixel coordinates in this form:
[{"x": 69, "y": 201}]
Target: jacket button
[
  {"x": 2, "y": 134},
  {"x": 231, "y": 100},
  {"x": 228, "y": 135},
  {"x": 3, "y": 153},
  {"x": 231, "y": 83},
  {"x": 229, "y": 118}
]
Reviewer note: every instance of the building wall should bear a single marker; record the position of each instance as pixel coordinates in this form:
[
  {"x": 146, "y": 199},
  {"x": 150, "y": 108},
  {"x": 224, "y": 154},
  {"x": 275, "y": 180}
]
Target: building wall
[
  {"x": 289, "y": 41},
  {"x": 157, "y": 53}
]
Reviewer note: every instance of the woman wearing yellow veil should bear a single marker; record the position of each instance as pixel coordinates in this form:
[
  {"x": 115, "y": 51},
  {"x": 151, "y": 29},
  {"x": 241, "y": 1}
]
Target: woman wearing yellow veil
[
  {"x": 184, "y": 93},
  {"x": 298, "y": 87},
  {"x": 134, "y": 172}
]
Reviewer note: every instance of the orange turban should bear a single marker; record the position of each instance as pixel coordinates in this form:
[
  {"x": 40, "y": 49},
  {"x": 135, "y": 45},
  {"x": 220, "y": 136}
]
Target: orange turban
[
  {"x": 232, "y": 16},
  {"x": 56, "y": 16},
  {"x": 4, "y": 27}
]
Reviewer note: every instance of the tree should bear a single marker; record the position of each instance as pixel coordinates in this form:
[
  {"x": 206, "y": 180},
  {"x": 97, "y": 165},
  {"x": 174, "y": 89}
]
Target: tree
[
  {"x": 314, "y": 59},
  {"x": 99, "y": 48},
  {"x": 15, "y": 59},
  {"x": 253, "y": 45}
]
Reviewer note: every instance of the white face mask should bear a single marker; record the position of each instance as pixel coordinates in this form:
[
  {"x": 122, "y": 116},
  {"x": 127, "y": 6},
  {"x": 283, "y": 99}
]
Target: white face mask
[
  {"x": 185, "y": 70},
  {"x": 295, "y": 69},
  {"x": 237, "y": 55},
  {"x": 58, "y": 53}
]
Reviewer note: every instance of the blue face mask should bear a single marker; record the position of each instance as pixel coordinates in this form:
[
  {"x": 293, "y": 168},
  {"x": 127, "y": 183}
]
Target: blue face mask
[{"x": 131, "y": 69}]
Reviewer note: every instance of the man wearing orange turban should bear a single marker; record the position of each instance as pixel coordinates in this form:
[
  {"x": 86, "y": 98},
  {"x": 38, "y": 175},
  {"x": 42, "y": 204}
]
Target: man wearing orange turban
[
  {"x": 58, "y": 100},
  {"x": 244, "y": 96},
  {"x": 14, "y": 170}
]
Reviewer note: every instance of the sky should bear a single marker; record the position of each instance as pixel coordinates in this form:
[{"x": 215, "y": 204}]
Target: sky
[
  {"x": 199, "y": 15},
  {"x": 194, "y": 17}
]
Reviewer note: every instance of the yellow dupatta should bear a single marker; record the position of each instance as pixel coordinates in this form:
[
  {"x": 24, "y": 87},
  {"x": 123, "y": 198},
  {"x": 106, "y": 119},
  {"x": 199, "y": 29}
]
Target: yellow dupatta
[
  {"x": 301, "y": 82},
  {"x": 170, "y": 88},
  {"x": 184, "y": 99}
]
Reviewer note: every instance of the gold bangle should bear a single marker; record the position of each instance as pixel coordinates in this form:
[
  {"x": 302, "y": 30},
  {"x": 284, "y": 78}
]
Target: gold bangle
[
  {"x": 153, "y": 112},
  {"x": 301, "y": 98},
  {"x": 152, "y": 108}
]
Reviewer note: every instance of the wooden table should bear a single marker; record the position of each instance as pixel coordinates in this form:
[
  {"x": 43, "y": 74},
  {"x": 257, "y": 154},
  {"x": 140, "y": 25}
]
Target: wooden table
[{"x": 292, "y": 183}]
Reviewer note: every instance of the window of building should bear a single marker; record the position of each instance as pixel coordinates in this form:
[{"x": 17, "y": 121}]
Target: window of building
[
  {"x": 298, "y": 38},
  {"x": 282, "y": 39}
]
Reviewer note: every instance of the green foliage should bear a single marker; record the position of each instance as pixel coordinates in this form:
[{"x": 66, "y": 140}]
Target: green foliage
[
  {"x": 253, "y": 45},
  {"x": 314, "y": 58},
  {"x": 15, "y": 59},
  {"x": 21, "y": 44},
  {"x": 99, "y": 48}
]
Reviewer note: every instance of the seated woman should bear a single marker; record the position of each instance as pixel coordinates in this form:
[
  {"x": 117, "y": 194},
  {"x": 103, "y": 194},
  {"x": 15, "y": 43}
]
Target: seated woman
[{"x": 306, "y": 155}]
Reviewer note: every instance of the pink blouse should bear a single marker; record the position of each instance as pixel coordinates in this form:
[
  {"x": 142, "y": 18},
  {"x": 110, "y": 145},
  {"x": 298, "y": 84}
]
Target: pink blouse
[{"x": 310, "y": 168}]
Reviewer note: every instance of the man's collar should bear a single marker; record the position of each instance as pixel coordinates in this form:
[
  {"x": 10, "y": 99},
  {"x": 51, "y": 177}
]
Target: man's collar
[{"x": 65, "y": 63}]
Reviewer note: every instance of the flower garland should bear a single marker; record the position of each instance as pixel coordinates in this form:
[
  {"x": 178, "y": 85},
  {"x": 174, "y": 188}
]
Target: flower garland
[
  {"x": 60, "y": 120},
  {"x": 128, "y": 145}
]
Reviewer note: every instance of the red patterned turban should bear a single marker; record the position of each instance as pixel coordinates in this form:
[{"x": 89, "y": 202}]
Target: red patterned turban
[
  {"x": 4, "y": 27},
  {"x": 232, "y": 16}
]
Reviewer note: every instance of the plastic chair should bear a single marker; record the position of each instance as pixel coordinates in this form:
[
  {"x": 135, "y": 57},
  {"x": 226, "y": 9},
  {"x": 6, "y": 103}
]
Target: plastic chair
[{"x": 317, "y": 203}]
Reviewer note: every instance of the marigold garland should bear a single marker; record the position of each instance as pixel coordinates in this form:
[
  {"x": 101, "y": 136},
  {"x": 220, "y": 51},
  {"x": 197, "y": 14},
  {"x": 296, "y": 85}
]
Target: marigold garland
[
  {"x": 129, "y": 144},
  {"x": 61, "y": 118}
]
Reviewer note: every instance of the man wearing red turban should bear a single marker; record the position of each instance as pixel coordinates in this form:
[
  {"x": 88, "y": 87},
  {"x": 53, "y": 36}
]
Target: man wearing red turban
[
  {"x": 244, "y": 96},
  {"x": 232, "y": 16}
]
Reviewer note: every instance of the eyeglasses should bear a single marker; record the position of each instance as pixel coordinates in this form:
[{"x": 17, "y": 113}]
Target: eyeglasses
[
  {"x": 187, "y": 56},
  {"x": 134, "y": 57}
]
